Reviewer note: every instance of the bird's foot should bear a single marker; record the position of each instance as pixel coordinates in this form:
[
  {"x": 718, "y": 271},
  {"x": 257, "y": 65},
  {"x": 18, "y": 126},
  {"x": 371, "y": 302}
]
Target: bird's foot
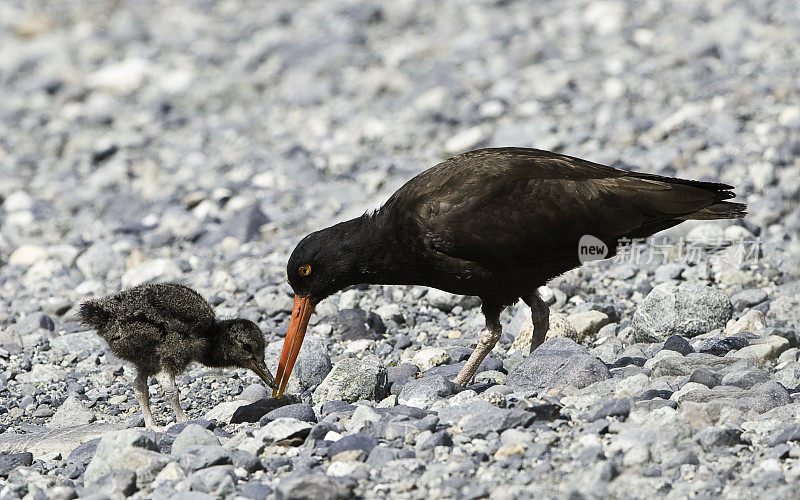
[
  {"x": 153, "y": 426},
  {"x": 181, "y": 417},
  {"x": 150, "y": 423}
]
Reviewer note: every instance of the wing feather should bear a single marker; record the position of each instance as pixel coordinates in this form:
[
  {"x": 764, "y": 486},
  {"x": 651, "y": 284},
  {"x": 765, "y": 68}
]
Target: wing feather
[{"x": 514, "y": 206}]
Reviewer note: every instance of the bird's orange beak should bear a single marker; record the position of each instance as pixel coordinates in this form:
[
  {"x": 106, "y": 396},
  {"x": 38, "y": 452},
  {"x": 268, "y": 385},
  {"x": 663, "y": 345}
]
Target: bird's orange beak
[{"x": 301, "y": 313}]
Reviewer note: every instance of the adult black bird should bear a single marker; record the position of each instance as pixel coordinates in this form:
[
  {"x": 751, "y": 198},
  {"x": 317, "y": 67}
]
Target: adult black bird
[
  {"x": 496, "y": 223},
  {"x": 163, "y": 327}
]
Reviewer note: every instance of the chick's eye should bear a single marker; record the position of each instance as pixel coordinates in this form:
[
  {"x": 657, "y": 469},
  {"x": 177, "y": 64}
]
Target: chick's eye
[{"x": 304, "y": 270}]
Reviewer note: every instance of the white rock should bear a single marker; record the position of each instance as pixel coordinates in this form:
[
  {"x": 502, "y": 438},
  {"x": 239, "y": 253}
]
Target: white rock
[
  {"x": 770, "y": 348},
  {"x": 708, "y": 232},
  {"x": 156, "y": 269},
  {"x": 280, "y": 429},
  {"x": 123, "y": 77},
  {"x": 17, "y": 201},
  {"x": 42, "y": 374},
  {"x": 763, "y": 174},
  {"x": 491, "y": 109},
  {"x": 753, "y": 321},
  {"x": 27, "y": 255},
  {"x": 631, "y": 387},
  {"x": 465, "y": 140},
  {"x": 348, "y": 469},
  {"x": 588, "y": 322},
  {"x": 349, "y": 299},
  {"x": 224, "y": 411},
  {"x": 171, "y": 472},
  {"x": 193, "y": 435},
  {"x": 560, "y": 326},
  {"x": 686, "y": 389},
  {"x": 606, "y": 17},
  {"x": 790, "y": 117},
  {"x": 430, "y": 357},
  {"x": 71, "y": 412},
  {"x": 360, "y": 417}
]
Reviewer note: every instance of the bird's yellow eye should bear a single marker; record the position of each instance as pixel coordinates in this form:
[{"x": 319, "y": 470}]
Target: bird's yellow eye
[{"x": 304, "y": 270}]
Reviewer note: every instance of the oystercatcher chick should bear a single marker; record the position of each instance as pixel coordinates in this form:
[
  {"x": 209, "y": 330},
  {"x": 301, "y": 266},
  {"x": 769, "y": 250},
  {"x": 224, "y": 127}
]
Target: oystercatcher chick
[
  {"x": 495, "y": 223},
  {"x": 161, "y": 328}
]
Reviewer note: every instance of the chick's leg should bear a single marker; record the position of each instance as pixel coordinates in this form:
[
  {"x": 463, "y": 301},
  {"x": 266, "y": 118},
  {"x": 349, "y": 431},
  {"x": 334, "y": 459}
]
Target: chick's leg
[
  {"x": 167, "y": 381},
  {"x": 142, "y": 394}
]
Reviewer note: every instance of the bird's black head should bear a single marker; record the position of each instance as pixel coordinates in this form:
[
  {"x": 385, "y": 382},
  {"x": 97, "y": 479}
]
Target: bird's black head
[
  {"x": 241, "y": 344},
  {"x": 327, "y": 261},
  {"x": 323, "y": 263}
]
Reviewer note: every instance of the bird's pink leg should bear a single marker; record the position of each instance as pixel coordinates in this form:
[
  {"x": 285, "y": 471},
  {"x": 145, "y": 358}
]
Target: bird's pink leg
[{"x": 486, "y": 342}]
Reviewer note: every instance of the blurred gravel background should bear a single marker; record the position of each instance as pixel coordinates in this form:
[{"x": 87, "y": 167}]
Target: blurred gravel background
[{"x": 197, "y": 141}]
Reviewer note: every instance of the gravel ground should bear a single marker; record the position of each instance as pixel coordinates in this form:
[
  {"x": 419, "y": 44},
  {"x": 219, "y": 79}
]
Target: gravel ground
[{"x": 197, "y": 141}]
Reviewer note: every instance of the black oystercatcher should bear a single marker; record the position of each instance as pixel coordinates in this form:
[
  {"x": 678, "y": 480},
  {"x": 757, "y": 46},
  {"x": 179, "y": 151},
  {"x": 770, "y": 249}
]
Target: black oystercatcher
[
  {"x": 163, "y": 327},
  {"x": 496, "y": 223}
]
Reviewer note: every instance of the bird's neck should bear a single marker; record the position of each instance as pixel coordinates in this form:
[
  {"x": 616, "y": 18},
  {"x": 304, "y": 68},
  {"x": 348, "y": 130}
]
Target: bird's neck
[
  {"x": 217, "y": 355},
  {"x": 383, "y": 257}
]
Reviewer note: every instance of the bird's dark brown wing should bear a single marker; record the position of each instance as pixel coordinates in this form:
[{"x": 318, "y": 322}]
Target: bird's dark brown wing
[
  {"x": 515, "y": 206},
  {"x": 161, "y": 304},
  {"x": 181, "y": 303}
]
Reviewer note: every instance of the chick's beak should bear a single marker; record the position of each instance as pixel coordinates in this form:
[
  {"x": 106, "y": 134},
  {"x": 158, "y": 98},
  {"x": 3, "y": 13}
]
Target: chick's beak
[
  {"x": 261, "y": 370},
  {"x": 301, "y": 313}
]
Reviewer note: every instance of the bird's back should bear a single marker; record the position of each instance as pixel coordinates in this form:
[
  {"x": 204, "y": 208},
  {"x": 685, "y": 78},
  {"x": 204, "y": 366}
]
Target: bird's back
[
  {"x": 142, "y": 323},
  {"x": 512, "y": 208}
]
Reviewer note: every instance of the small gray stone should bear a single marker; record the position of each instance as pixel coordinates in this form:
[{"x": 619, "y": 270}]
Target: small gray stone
[
  {"x": 196, "y": 457},
  {"x": 479, "y": 418},
  {"x": 300, "y": 411},
  {"x": 555, "y": 365},
  {"x": 789, "y": 375},
  {"x": 745, "y": 379},
  {"x": 33, "y": 322},
  {"x": 193, "y": 435},
  {"x": 588, "y": 323},
  {"x": 127, "y": 449},
  {"x": 353, "y": 380},
  {"x": 686, "y": 365},
  {"x": 358, "y": 441},
  {"x": 71, "y": 412},
  {"x": 678, "y": 344},
  {"x": 685, "y": 309},
  {"x": 447, "y": 301},
  {"x": 99, "y": 260},
  {"x": 244, "y": 226},
  {"x": 705, "y": 376},
  {"x": 256, "y": 490},
  {"x": 311, "y": 486},
  {"x": 712, "y": 437},
  {"x": 218, "y": 479},
  {"x": 13, "y": 460},
  {"x": 273, "y": 302},
  {"x": 355, "y": 324},
  {"x": 311, "y": 367},
  {"x": 748, "y": 298},
  {"x": 614, "y": 408},
  {"x": 118, "y": 483},
  {"x": 253, "y": 393},
  {"x": 281, "y": 429},
  {"x": 423, "y": 392}
]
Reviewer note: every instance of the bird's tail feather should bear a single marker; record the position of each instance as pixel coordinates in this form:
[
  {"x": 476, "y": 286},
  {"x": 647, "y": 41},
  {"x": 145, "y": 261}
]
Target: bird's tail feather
[
  {"x": 92, "y": 314},
  {"x": 720, "y": 210}
]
